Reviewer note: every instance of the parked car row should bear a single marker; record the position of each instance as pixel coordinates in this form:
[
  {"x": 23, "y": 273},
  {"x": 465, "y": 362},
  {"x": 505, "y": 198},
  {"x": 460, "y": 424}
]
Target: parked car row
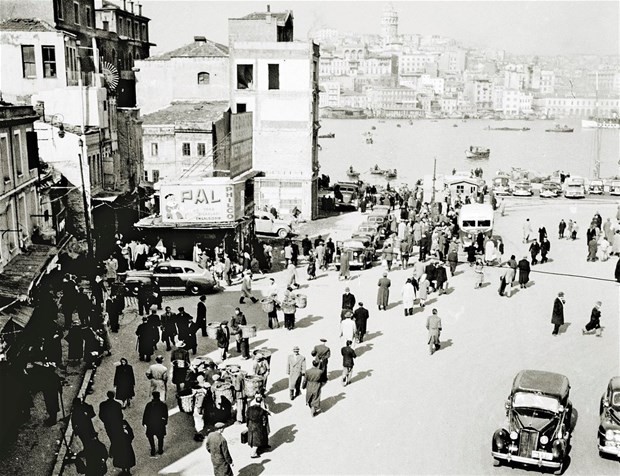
[
  {"x": 540, "y": 421},
  {"x": 574, "y": 187}
]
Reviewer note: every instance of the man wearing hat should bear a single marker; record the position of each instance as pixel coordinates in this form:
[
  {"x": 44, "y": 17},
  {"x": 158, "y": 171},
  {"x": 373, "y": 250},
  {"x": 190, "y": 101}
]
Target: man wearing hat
[
  {"x": 201, "y": 314},
  {"x": 323, "y": 354},
  {"x": 348, "y": 299},
  {"x": 218, "y": 449},
  {"x": 313, "y": 382},
  {"x": 158, "y": 375},
  {"x": 296, "y": 370},
  {"x": 261, "y": 368},
  {"x": 557, "y": 316},
  {"x": 155, "y": 420},
  {"x": 145, "y": 340},
  {"x": 179, "y": 358},
  {"x": 383, "y": 294},
  {"x": 258, "y": 425},
  {"x": 361, "y": 317},
  {"x": 222, "y": 337},
  {"x": 168, "y": 328},
  {"x": 246, "y": 288}
]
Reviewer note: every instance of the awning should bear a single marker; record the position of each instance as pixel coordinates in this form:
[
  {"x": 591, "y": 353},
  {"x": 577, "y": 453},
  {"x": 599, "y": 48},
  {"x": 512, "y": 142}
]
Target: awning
[
  {"x": 156, "y": 222},
  {"x": 21, "y": 273}
]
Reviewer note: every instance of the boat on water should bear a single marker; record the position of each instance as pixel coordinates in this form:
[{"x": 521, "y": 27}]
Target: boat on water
[
  {"x": 477, "y": 152},
  {"x": 601, "y": 123},
  {"x": 376, "y": 170},
  {"x": 397, "y": 125},
  {"x": 373, "y": 128},
  {"x": 520, "y": 129},
  {"x": 329, "y": 135},
  {"x": 369, "y": 140},
  {"x": 381, "y": 120},
  {"x": 455, "y": 125},
  {"x": 559, "y": 128},
  {"x": 352, "y": 173},
  {"x": 390, "y": 174}
]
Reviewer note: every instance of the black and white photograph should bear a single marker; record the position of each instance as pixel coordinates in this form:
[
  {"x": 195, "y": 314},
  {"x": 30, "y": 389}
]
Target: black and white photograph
[{"x": 243, "y": 238}]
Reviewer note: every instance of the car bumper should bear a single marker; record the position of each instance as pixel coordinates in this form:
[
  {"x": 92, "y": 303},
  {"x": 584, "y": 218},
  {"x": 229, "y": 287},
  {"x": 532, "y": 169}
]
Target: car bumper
[
  {"x": 540, "y": 462},
  {"x": 521, "y": 194},
  {"x": 610, "y": 450}
]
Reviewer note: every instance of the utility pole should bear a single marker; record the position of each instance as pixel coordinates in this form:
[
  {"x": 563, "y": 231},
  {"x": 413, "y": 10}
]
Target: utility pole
[
  {"x": 83, "y": 155},
  {"x": 434, "y": 178}
]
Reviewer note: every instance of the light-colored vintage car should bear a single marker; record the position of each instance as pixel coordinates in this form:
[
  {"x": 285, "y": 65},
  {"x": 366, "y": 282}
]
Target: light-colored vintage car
[{"x": 265, "y": 223}]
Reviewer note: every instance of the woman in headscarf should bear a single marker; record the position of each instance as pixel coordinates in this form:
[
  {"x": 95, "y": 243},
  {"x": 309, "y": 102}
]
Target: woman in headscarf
[
  {"x": 408, "y": 294},
  {"x": 258, "y": 426},
  {"x": 423, "y": 290}
]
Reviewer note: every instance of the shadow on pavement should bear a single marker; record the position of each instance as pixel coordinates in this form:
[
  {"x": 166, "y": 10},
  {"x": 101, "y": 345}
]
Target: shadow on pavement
[
  {"x": 333, "y": 374},
  {"x": 445, "y": 344},
  {"x": 307, "y": 321},
  {"x": 282, "y": 436},
  {"x": 253, "y": 469},
  {"x": 393, "y": 305},
  {"x": 361, "y": 376},
  {"x": 329, "y": 402},
  {"x": 276, "y": 407},
  {"x": 484, "y": 285},
  {"x": 372, "y": 335},
  {"x": 530, "y": 283},
  {"x": 255, "y": 344},
  {"x": 363, "y": 349},
  {"x": 278, "y": 386},
  {"x": 564, "y": 327}
]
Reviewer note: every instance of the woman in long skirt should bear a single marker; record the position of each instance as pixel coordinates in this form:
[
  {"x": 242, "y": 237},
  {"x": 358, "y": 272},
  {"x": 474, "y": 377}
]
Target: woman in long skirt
[
  {"x": 121, "y": 450},
  {"x": 124, "y": 382}
]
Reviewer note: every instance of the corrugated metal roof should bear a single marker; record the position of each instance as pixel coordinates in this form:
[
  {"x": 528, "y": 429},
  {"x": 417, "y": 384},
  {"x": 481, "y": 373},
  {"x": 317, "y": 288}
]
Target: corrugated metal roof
[
  {"x": 187, "y": 112},
  {"x": 25, "y": 24},
  {"x": 197, "y": 49},
  {"x": 21, "y": 272}
]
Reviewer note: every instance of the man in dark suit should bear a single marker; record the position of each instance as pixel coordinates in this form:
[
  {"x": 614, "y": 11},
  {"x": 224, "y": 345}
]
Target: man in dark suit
[
  {"x": 313, "y": 382},
  {"x": 154, "y": 420},
  {"x": 111, "y": 414},
  {"x": 322, "y": 355},
  {"x": 201, "y": 315},
  {"x": 361, "y": 317},
  {"x": 348, "y": 301}
]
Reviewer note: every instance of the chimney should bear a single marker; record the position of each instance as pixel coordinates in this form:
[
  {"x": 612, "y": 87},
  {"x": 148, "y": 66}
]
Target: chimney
[
  {"x": 268, "y": 8},
  {"x": 131, "y": 5},
  {"x": 140, "y": 9},
  {"x": 124, "y": 4},
  {"x": 200, "y": 39}
]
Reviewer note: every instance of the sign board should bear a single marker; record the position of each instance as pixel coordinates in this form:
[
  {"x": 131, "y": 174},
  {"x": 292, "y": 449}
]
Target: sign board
[
  {"x": 241, "y": 131},
  {"x": 198, "y": 202}
]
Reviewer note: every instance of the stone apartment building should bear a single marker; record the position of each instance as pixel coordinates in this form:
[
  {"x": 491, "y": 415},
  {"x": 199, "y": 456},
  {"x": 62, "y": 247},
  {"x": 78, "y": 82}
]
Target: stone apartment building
[{"x": 277, "y": 79}]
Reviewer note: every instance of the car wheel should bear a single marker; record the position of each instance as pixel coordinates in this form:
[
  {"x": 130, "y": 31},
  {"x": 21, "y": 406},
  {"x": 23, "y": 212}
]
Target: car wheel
[
  {"x": 194, "y": 289},
  {"x": 282, "y": 233}
]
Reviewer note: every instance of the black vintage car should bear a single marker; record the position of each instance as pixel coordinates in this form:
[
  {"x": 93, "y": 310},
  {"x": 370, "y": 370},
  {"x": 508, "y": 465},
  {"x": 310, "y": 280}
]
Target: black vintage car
[
  {"x": 538, "y": 426},
  {"x": 609, "y": 428}
]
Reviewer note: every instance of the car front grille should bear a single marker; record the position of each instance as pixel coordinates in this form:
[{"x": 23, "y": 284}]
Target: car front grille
[{"x": 528, "y": 442}]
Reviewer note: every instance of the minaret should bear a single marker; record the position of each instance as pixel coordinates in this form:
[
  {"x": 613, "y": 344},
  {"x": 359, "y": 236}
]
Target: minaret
[{"x": 389, "y": 25}]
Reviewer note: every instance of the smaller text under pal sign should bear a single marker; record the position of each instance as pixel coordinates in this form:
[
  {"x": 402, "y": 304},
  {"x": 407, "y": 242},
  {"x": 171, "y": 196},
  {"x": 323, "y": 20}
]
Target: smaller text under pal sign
[{"x": 190, "y": 203}]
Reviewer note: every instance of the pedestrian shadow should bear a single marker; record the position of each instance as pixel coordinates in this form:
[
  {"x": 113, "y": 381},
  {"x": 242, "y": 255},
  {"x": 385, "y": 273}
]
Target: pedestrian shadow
[
  {"x": 484, "y": 285},
  {"x": 458, "y": 273},
  {"x": 449, "y": 290},
  {"x": 445, "y": 344},
  {"x": 276, "y": 407},
  {"x": 432, "y": 300},
  {"x": 372, "y": 335},
  {"x": 363, "y": 349},
  {"x": 284, "y": 435},
  {"x": 393, "y": 305},
  {"x": 361, "y": 376},
  {"x": 329, "y": 402},
  {"x": 253, "y": 469},
  {"x": 278, "y": 386},
  {"x": 255, "y": 344},
  {"x": 564, "y": 327},
  {"x": 417, "y": 310},
  {"x": 514, "y": 291},
  {"x": 333, "y": 374},
  {"x": 307, "y": 321},
  {"x": 530, "y": 283}
]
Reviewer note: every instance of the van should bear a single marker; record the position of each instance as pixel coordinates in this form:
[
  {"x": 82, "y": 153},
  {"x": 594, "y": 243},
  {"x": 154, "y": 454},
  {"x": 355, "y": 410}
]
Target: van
[
  {"x": 575, "y": 187},
  {"x": 473, "y": 219}
]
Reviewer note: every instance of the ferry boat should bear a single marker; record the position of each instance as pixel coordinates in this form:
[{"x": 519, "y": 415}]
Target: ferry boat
[
  {"x": 376, "y": 170},
  {"x": 477, "y": 152},
  {"x": 523, "y": 129},
  {"x": 559, "y": 128},
  {"x": 601, "y": 123}
]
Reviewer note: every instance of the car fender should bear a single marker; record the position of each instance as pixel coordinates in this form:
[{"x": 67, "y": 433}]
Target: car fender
[{"x": 501, "y": 440}]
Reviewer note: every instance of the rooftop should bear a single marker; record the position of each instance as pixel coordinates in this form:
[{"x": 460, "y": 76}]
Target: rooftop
[
  {"x": 198, "y": 49},
  {"x": 25, "y": 24},
  {"x": 280, "y": 17},
  {"x": 187, "y": 112}
]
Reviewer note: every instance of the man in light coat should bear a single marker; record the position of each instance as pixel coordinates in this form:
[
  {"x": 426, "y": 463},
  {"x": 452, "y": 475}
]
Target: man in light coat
[
  {"x": 347, "y": 327},
  {"x": 218, "y": 449},
  {"x": 433, "y": 324},
  {"x": 296, "y": 370},
  {"x": 158, "y": 375}
]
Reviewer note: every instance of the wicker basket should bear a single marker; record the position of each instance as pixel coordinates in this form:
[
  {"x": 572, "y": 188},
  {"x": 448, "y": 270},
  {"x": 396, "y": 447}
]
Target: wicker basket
[
  {"x": 268, "y": 305},
  {"x": 252, "y": 384},
  {"x": 186, "y": 403},
  {"x": 289, "y": 307},
  {"x": 212, "y": 329},
  {"x": 301, "y": 300},
  {"x": 248, "y": 331}
]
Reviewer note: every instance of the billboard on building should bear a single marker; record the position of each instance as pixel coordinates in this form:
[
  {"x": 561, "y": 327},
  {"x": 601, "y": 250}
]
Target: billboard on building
[
  {"x": 206, "y": 202},
  {"x": 241, "y": 130}
]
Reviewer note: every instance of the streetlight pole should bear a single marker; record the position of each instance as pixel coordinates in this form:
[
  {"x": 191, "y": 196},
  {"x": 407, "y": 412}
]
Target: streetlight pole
[
  {"x": 434, "y": 178},
  {"x": 89, "y": 241}
]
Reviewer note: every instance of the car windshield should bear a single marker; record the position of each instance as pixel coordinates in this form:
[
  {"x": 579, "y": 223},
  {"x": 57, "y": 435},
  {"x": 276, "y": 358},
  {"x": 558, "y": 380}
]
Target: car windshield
[{"x": 528, "y": 402}]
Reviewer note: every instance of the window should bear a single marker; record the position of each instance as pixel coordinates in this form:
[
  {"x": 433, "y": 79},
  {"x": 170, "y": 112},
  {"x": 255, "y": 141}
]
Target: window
[
  {"x": 10, "y": 213},
  {"x": 17, "y": 153},
  {"x": 5, "y": 160},
  {"x": 241, "y": 107},
  {"x": 49, "y": 61},
  {"x": 155, "y": 175},
  {"x": 143, "y": 38},
  {"x": 203, "y": 78},
  {"x": 245, "y": 76},
  {"x": 274, "y": 76},
  {"x": 146, "y": 175},
  {"x": 106, "y": 25},
  {"x": 136, "y": 29},
  {"x": 58, "y": 9},
  {"x": 154, "y": 149},
  {"x": 88, "y": 19},
  {"x": 76, "y": 13},
  {"x": 186, "y": 149},
  {"x": 29, "y": 65},
  {"x": 202, "y": 150}
]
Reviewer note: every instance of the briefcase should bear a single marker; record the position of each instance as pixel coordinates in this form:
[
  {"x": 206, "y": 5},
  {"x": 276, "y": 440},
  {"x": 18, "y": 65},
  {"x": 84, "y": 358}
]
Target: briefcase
[{"x": 244, "y": 437}]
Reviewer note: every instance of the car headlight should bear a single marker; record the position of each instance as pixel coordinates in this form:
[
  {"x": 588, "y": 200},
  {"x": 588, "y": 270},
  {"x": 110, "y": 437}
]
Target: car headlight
[
  {"x": 544, "y": 440},
  {"x": 609, "y": 435},
  {"x": 514, "y": 435}
]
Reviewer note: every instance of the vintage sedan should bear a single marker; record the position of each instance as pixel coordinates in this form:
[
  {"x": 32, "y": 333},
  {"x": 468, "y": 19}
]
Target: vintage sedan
[
  {"x": 550, "y": 190},
  {"x": 361, "y": 253},
  {"x": 609, "y": 428},
  {"x": 173, "y": 276},
  {"x": 265, "y": 223},
  {"x": 596, "y": 187},
  {"x": 538, "y": 425},
  {"x": 523, "y": 188}
]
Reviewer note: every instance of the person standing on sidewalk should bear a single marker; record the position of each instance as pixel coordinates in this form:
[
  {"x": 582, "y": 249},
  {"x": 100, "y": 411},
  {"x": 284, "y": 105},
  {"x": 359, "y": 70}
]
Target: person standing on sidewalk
[
  {"x": 524, "y": 272},
  {"x": 222, "y": 337},
  {"x": 313, "y": 382},
  {"x": 82, "y": 415},
  {"x": 124, "y": 382},
  {"x": 348, "y": 359},
  {"x": 433, "y": 324},
  {"x": 218, "y": 449},
  {"x": 201, "y": 315},
  {"x": 408, "y": 296},
  {"x": 168, "y": 328},
  {"x": 246, "y": 288},
  {"x": 145, "y": 340},
  {"x": 347, "y": 327},
  {"x": 179, "y": 358},
  {"x": 296, "y": 370},
  {"x": 361, "y": 318},
  {"x": 557, "y": 316},
  {"x": 111, "y": 414},
  {"x": 322, "y": 354},
  {"x": 155, "y": 420},
  {"x": 348, "y": 300},
  {"x": 383, "y": 294},
  {"x": 595, "y": 321},
  {"x": 158, "y": 376}
]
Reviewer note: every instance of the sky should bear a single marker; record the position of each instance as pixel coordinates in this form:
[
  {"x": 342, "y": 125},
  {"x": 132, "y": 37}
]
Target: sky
[{"x": 536, "y": 27}]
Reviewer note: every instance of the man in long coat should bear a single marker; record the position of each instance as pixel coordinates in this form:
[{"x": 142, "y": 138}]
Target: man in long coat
[
  {"x": 408, "y": 295},
  {"x": 145, "y": 340},
  {"x": 595, "y": 321},
  {"x": 218, "y": 449},
  {"x": 154, "y": 420},
  {"x": 322, "y": 353},
  {"x": 557, "y": 317},
  {"x": 433, "y": 324},
  {"x": 158, "y": 376},
  {"x": 201, "y": 314},
  {"x": 441, "y": 277},
  {"x": 361, "y": 317},
  {"x": 313, "y": 383},
  {"x": 111, "y": 414},
  {"x": 383, "y": 295},
  {"x": 295, "y": 369},
  {"x": 348, "y": 300},
  {"x": 258, "y": 426},
  {"x": 524, "y": 272},
  {"x": 82, "y": 416}
]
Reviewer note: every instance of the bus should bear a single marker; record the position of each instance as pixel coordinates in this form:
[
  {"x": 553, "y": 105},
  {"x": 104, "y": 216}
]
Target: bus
[
  {"x": 473, "y": 219},
  {"x": 575, "y": 187}
]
